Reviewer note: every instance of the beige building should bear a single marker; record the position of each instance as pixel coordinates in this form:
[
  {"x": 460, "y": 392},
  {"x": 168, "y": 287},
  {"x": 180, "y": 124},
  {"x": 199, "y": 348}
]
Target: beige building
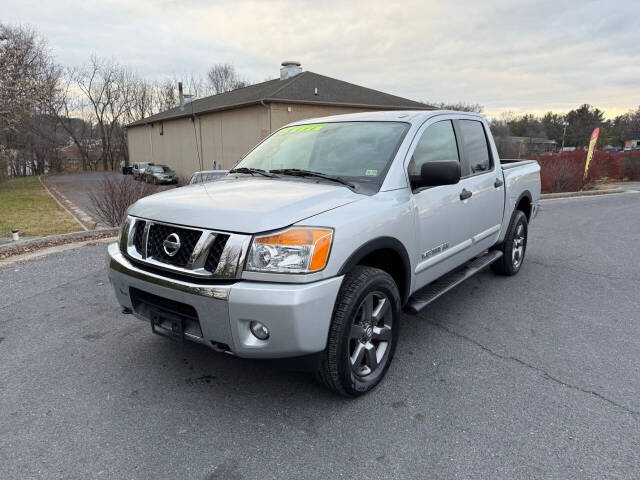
[{"x": 216, "y": 131}]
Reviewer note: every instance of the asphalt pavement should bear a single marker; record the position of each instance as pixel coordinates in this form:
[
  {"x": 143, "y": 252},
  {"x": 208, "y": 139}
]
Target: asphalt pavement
[
  {"x": 534, "y": 376},
  {"x": 77, "y": 186}
]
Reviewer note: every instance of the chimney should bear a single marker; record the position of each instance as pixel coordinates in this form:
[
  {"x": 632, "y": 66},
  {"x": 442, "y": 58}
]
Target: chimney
[{"x": 289, "y": 68}]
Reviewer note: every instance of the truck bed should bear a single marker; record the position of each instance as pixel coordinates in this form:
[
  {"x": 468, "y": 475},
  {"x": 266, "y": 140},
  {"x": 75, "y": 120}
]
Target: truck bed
[{"x": 508, "y": 163}]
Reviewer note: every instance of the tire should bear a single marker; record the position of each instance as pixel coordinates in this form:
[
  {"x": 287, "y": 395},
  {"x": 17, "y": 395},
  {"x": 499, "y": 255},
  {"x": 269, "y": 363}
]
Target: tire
[
  {"x": 361, "y": 326},
  {"x": 514, "y": 246}
]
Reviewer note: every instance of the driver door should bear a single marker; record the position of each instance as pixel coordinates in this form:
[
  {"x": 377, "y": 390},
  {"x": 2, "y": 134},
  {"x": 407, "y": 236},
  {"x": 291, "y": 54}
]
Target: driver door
[{"x": 444, "y": 222}]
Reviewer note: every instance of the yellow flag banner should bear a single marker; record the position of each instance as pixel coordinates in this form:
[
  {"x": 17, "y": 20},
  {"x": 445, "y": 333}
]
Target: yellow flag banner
[{"x": 592, "y": 148}]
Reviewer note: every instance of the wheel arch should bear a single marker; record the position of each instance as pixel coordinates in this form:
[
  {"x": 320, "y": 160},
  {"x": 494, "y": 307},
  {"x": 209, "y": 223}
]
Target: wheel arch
[
  {"x": 387, "y": 254},
  {"x": 524, "y": 204}
]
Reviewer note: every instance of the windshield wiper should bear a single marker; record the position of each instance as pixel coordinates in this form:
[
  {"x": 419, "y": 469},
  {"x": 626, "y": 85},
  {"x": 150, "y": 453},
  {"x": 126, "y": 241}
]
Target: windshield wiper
[
  {"x": 251, "y": 171},
  {"x": 308, "y": 173}
]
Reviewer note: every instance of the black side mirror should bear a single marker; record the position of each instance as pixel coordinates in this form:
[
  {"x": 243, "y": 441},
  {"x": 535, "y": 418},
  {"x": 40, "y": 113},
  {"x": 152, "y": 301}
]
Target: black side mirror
[{"x": 432, "y": 174}]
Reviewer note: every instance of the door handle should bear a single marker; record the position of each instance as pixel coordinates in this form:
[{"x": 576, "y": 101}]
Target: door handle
[
  {"x": 465, "y": 194},
  {"x": 498, "y": 183}
]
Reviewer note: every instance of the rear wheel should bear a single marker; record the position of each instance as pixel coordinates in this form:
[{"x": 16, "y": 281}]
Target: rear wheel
[
  {"x": 363, "y": 333},
  {"x": 513, "y": 247}
]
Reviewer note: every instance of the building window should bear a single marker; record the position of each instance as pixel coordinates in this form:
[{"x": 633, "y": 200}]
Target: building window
[{"x": 161, "y": 128}]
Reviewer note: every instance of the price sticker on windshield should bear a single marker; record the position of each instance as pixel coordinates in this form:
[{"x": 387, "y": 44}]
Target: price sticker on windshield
[
  {"x": 371, "y": 173},
  {"x": 314, "y": 127}
]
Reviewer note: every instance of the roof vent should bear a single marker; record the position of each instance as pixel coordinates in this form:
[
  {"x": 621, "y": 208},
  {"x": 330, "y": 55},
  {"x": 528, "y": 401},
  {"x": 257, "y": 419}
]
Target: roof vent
[{"x": 289, "y": 68}]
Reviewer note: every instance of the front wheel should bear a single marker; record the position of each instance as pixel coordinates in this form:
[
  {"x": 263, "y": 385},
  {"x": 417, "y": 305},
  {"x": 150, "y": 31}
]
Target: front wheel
[
  {"x": 513, "y": 247},
  {"x": 363, "y": 333}
]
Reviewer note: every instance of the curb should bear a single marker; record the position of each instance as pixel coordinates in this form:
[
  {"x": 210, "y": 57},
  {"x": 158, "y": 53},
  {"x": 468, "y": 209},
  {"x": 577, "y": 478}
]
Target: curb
[
  {"x": 55, "y": 239},
  {"x": 588, "y": 193},
  {"x": 84, "y": 227},
  {"x": 37, "y": 254}
]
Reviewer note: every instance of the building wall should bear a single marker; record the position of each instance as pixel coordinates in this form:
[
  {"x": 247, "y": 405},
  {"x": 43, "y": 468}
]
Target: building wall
[
  {"x": 223, "y": 137},
  {"x": 280, "y": 114},
  {"x": 228, "y": 135}
]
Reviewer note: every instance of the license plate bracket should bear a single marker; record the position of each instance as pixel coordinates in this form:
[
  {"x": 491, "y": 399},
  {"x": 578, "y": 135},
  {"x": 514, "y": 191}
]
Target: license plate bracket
[{"x": 167, "y": 324}]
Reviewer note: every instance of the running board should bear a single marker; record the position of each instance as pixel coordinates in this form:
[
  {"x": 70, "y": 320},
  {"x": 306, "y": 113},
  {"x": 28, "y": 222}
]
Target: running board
[{"x": 437, "y": 288}]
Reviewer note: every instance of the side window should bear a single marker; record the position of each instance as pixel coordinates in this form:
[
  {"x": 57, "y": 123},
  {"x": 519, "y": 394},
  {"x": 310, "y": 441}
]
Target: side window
[
  {"x": 438, "y": 142},
  {"x": 476, "y": 150}
]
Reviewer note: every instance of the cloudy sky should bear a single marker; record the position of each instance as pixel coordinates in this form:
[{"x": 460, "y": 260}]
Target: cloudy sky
[{"x": 520, "y": 56}]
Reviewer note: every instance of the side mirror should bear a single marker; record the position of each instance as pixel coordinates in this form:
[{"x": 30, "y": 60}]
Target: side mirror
[{"x": 433, "y": 174}]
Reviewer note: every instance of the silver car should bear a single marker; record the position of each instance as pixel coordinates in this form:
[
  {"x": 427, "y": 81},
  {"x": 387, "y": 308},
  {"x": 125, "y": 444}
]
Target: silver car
[
  {"x": 207, "y": 176},
  {"x": 160, "y": 174}
]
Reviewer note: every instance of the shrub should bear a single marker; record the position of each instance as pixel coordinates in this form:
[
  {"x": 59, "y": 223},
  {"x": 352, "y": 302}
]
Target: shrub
[
  {"x": 114, "y": 196},
  {"x": 631, "y": 167},
  {"x": 564, "y": 171}
]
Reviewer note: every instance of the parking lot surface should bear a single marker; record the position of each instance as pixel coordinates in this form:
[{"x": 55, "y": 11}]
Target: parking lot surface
[{"x": 534, "y": 376}]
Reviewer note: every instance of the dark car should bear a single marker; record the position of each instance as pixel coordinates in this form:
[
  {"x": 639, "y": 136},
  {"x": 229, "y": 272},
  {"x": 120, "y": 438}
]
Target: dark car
[
  {"x": 158, "y": 174},
  {"x": 207, "y": 176}
]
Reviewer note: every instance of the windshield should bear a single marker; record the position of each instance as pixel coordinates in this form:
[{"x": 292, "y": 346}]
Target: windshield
[
  {"x": 160, "y": 169},
  {"x": 359, "y": 151}
]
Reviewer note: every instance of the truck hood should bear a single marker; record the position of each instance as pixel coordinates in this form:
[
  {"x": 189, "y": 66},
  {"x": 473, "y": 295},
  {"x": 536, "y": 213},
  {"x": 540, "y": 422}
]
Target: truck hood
[{"x": 243, "y": 204}]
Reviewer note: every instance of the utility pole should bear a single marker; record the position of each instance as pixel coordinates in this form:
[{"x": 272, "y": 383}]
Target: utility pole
[{"x": 564, "y": 133}]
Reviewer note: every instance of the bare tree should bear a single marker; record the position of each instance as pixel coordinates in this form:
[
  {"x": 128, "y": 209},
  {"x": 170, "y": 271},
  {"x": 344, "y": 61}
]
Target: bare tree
[
  {"x": 166, "y": 96},
  {"x": 460, "y": 106},
  {"x": 25, "y": 73},
  {"x": 223, "y": 77},
  {"x": 75, "y": 118},
  {"x": 28, "y": 80},
  {"x": 108, "y": 87}
]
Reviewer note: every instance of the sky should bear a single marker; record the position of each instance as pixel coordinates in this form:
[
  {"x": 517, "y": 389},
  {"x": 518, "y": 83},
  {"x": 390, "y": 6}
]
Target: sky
[{"x": 516, "y": 56}]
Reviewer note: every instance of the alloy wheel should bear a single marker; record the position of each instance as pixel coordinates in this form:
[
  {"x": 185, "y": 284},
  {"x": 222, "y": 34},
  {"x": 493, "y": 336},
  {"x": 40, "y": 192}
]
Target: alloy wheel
[
  {"x": 517, "y": 252},
  {"x": 371, "y": 335}
]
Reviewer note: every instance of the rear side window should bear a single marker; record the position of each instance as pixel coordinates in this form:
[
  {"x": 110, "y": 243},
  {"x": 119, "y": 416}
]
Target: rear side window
[
  {"x": 438, "y": 142},
  {"x": 476, "y": 150}
]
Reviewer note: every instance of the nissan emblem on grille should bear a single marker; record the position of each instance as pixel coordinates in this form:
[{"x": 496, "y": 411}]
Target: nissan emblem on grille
[{"x": 171, "y": 244}]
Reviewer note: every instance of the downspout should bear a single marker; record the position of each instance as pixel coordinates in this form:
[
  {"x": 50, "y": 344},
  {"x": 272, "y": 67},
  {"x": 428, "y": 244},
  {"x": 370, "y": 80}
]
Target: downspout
[
  {"x": 269, "y": 108},
  {"x": 151, "y": 141}
]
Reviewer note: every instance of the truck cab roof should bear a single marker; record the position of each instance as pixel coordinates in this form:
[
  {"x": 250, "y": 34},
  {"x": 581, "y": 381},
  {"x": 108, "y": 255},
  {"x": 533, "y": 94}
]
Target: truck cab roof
[{"x": 415, "y": 117}]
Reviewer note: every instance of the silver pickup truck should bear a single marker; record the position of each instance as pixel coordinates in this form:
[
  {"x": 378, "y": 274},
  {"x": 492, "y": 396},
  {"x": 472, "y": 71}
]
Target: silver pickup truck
[{"x": 322, "y": 235}]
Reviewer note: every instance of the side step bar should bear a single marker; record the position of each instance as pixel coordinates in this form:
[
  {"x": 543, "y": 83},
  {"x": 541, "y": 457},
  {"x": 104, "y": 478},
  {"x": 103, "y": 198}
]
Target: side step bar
[{"x": 435, "y": 289}]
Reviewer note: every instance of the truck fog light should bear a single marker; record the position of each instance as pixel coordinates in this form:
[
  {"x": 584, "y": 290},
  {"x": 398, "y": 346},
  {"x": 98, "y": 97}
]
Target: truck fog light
[{"x": 259, "y": 330}]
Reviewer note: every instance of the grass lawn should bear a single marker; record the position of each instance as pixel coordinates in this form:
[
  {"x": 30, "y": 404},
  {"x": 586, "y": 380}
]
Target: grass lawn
[{"x": 26, "y": 205}]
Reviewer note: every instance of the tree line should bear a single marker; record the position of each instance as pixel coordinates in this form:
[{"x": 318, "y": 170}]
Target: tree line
[
  {"x": 572, "y": 129},
  {"x": 45, "y": 107}
]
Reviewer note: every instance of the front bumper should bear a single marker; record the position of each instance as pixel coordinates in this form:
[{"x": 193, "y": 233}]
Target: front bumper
[{"x": 298, "y": 315}]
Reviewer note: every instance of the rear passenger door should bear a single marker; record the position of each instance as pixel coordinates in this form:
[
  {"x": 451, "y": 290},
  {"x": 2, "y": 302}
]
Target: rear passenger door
[{"x": 481, "y": 183}]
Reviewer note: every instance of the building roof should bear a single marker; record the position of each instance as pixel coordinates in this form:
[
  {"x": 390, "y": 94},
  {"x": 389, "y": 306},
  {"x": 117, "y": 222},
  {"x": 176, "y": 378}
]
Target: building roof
[{"x": 298, "y": 89}]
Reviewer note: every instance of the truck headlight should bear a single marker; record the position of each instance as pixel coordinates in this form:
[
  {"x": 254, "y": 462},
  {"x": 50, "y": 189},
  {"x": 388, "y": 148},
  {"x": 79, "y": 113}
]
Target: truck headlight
[{"x": 295, "y": 250}]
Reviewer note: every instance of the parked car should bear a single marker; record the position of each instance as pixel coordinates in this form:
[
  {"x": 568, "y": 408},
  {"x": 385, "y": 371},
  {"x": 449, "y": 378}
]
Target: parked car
[
  {"x": 312, "y": 246},
  {"x": 207, "y": 176},
  {"x": 138, "y": 169},
  {"x": 159, "y": 174},
  {"x": 126, "y": 169}
]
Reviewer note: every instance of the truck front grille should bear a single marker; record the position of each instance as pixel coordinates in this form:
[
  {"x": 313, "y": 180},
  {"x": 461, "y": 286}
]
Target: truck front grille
[
  {"x": 215, "y": 252},
  {"x": 201, "y": 253},
  {"x": 158, "y": 233},
  {"x": 138, "y": 237}
]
